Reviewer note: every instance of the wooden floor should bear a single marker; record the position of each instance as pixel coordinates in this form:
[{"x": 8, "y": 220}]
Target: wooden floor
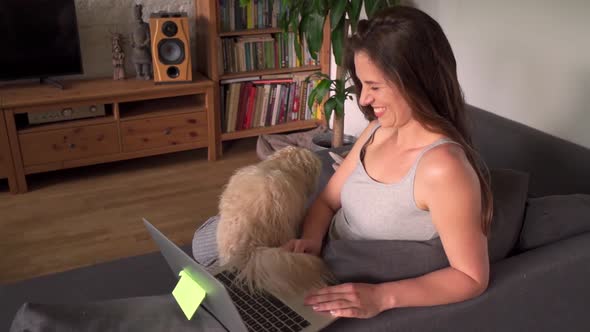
[{"x": 83, "y": 216}]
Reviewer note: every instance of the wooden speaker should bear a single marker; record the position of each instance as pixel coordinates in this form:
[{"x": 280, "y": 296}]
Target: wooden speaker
[{"x": 171, "y": 55}]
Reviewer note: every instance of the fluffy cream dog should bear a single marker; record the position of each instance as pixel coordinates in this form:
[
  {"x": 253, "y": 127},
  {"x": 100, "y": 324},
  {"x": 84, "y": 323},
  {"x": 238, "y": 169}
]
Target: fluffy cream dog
[{"x": 260, "y": 209}]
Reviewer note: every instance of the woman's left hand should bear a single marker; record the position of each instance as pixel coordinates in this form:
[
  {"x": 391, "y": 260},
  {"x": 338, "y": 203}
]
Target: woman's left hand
[{"x": 348, "y": 300}]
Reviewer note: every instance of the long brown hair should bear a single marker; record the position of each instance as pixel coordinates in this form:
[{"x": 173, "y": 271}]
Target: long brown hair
[{"x": 412, "y": 50}]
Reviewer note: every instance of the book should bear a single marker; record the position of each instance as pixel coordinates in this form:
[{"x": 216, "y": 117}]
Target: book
[
  {"x": 295, "y": 110},
  {"x": 242, "y": 106},
  {"x": 265, "y": 104},
  {"x": 258, "y": 106},
  {"x": 271, "y": 104},
  {"x": 282, "y": 103},
  {"x": 276, "y": 104},
  {"x": 234, "y": 99},
  {"x": 250, "y": 102},
  {"x": 222, "y": 108},
  {"x": 303, "y": 101}
]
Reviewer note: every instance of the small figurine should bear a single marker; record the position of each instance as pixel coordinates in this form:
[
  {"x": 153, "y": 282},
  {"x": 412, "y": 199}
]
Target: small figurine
[
  {"x": 118, "y": 57},
  {"x": 140, "y": 42}
]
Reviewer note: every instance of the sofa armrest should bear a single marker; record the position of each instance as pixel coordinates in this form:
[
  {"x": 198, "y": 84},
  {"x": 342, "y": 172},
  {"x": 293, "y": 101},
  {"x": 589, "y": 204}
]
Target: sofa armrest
[{"x": 545, "y": 289}]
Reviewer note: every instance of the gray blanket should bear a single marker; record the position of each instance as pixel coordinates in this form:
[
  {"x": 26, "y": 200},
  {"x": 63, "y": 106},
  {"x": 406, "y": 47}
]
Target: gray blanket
[{"x": 150, "y": 313}]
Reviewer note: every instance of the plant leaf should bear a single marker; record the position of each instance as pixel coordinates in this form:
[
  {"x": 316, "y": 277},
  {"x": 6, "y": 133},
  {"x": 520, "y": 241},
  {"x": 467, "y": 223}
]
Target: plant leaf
[
  {"x": 321, "y": 6},
  {"x": 329, "y": 107},
  {"x": 337, "y": 37},
  {"x": 338, "y": 12},
  {"x": 319, "y": 92},
  {"x": 350, "y": 90},
  {"x": 322, "y": 89},
  {"x": 354, "y": 13},
  {"x": 372, "y": 6},
  {"x": 317, "y": 74},
  {"x": 313, "y": 26},
  {"x": 297, "y": 45}
]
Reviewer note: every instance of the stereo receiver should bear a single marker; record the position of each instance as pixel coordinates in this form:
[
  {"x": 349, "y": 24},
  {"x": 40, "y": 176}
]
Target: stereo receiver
[{"x": 68, "y": 113}]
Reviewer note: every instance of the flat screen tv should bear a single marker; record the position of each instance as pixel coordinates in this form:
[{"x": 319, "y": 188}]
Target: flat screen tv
[{"x": 39, "y": 39}]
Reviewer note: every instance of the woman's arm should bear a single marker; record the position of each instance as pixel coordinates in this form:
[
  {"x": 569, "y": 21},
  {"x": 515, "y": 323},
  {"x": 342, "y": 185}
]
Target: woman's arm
[
  {"x": 320, "y": 213},
  {"x": 449, "y": 189}
]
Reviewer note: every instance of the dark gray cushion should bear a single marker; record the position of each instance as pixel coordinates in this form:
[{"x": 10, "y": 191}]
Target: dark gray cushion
[
  {"x": 377, "y": 261},
  {"x": 383, "y": 260},
  {"x": 552, "y": 218},
  {"x": 510, "y": 189}
]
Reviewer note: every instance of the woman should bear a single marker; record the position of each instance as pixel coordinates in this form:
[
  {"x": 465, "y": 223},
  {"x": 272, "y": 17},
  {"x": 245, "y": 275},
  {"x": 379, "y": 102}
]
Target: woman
[{"x": 412, "y": 174}]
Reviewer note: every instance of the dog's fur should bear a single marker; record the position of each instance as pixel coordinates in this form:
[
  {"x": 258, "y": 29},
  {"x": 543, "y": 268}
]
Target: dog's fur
[{"x": 261, "y": 208}]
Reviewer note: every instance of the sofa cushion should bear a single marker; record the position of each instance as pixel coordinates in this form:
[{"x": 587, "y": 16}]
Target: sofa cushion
[
  {"x": 552, "y": 218},
  {"x": 509, "y": 189},
  {"x": 383, "y": 260}
]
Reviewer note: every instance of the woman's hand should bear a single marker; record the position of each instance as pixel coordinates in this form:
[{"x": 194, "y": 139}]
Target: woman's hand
[
  {"x": 304, "y": 246},
  {"x": 348, "y": 300}
]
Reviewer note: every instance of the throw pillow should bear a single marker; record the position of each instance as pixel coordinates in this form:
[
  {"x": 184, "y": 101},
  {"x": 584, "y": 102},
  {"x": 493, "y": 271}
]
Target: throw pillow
[
  {"x": 552, "y": 218},
  {"x": 377, "y": 261},
  {"x": 382, "y": 260}
]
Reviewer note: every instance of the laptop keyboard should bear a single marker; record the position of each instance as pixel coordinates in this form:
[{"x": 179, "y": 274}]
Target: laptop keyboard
[{"x": 263, "y": 311}]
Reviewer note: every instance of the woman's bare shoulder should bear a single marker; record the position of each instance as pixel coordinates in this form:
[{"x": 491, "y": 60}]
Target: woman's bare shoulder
[{"x": 446, "y": 162}]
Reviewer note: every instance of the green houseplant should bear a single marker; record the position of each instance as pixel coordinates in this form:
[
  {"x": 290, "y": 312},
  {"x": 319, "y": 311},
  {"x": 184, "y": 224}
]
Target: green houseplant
[{"x": 307, "y": 18}]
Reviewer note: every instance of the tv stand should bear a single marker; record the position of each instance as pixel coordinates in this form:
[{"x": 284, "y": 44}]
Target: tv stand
[
  {"x": 51, "y": 81},
  {"x": 140, "y": 119}
]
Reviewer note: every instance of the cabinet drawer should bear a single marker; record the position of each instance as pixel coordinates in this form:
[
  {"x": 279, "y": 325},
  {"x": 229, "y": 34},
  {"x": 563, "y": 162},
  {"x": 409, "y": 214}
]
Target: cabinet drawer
[
  {"x": 68, "y": 144},
  {"x": 163, "y": 131}
]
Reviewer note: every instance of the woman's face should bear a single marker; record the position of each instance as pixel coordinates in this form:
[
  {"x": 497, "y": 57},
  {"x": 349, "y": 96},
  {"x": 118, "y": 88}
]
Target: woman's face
[{"x": 390, "y": 108}]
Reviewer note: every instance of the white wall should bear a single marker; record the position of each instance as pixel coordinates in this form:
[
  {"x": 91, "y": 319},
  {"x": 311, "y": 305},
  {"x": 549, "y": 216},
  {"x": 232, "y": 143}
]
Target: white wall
[{"x": 527, "y": 60}]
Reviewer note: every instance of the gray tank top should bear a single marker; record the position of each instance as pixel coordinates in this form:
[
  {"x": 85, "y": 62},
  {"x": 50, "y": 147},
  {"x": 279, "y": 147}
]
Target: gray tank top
[{"x": 372, "y": 210}]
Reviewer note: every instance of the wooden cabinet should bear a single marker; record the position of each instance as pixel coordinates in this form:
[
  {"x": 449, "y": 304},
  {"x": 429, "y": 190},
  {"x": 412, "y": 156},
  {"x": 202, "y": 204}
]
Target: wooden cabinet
[
  {"x": 6, "y": 165},
  {"x": 213, "y": 33},
  {"x": 140, "y": 119}
]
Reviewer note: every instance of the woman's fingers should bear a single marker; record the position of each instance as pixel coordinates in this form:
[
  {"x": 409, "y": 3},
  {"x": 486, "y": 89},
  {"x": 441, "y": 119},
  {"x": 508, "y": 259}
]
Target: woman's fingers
[
  {"x": 289, "y": 246},
  {"x": 296, "y": 246},
  {"x": 334, "y": 305},
  {"x": 348, "y": 312},
  {"x": 301, "y": 247},
  {"x": 333, "y": 297}
]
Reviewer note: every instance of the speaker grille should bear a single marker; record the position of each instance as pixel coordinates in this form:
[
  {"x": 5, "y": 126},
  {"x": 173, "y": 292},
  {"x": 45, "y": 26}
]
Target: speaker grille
[{"x": 171, "y": 51}]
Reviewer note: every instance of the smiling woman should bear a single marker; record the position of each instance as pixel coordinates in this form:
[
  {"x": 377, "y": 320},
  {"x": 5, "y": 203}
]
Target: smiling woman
[
  {"x": 412, "y": 175},
  {"x": 380, "y": 93}
]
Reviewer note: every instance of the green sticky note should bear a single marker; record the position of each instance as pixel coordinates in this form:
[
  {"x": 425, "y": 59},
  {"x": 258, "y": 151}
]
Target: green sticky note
[{"x": 188, "y": 294}]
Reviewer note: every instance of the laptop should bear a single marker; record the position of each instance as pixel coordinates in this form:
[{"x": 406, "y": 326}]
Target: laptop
[{"x": 235, "y": 307}]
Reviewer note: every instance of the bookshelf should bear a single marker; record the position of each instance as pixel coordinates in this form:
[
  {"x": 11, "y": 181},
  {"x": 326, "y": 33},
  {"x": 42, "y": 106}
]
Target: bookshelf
[{"x": 214, "y": 32}]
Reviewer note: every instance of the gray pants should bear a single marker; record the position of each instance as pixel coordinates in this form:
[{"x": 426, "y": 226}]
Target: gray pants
[{"x": 205, "y": 244}]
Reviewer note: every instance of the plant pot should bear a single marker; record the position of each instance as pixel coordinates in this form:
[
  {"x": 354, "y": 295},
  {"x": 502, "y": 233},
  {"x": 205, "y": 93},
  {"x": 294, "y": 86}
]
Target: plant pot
[{"x": 323, "y": 141}]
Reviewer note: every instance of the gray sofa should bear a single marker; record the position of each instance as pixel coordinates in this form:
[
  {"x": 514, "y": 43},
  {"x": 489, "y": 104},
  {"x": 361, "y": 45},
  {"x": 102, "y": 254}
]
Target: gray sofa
[
  {"x": 539, "y": 274},
  {"x": 539, "y": 243}
]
